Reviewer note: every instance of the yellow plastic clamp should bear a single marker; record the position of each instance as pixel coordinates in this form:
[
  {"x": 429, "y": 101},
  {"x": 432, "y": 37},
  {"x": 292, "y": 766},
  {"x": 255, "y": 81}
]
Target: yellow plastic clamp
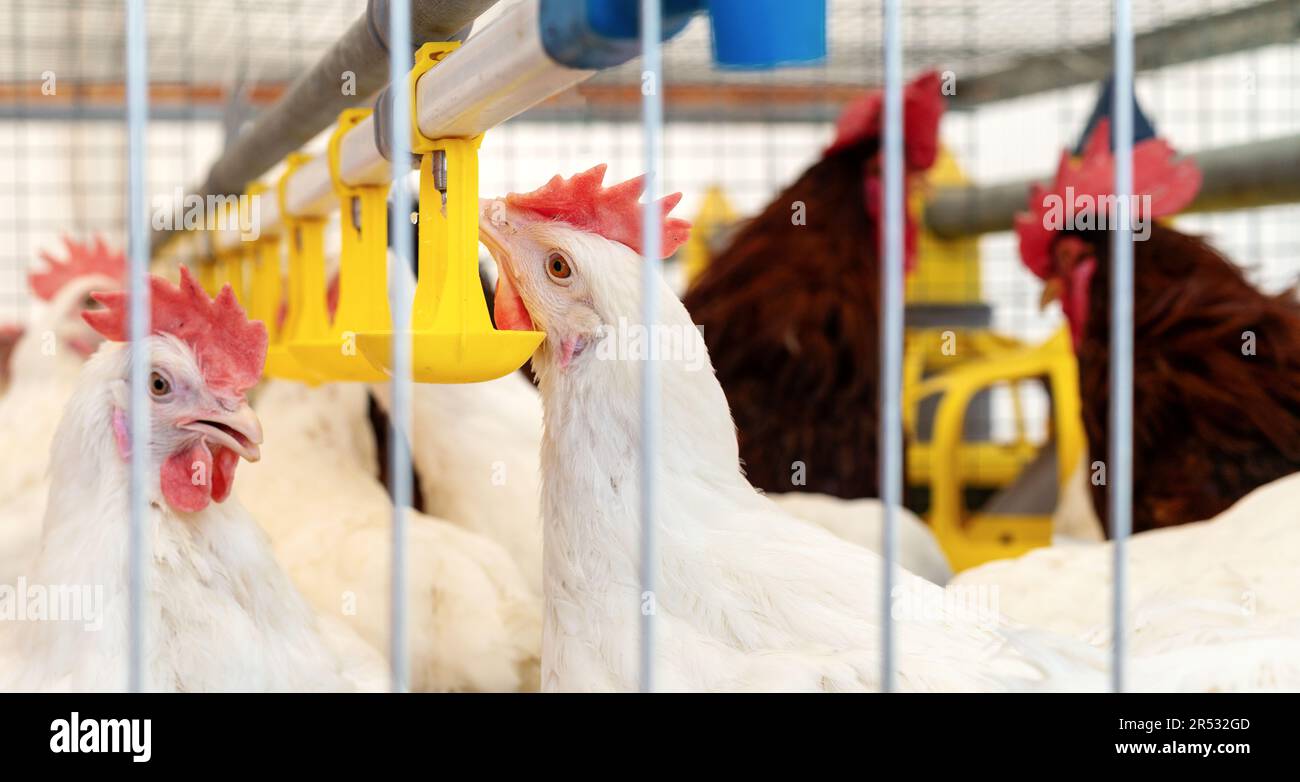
[
  {"x": 982, "y": 537},
  {"x": 362, "y": 278},
  {"x": 305, "y": 318},
  {"x": 453, "y": 340}
]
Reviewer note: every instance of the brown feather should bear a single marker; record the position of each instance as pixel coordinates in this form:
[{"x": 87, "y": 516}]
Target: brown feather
[
  {"x": 790, "y": 314},
  {"x": 1211, "y": 422}
]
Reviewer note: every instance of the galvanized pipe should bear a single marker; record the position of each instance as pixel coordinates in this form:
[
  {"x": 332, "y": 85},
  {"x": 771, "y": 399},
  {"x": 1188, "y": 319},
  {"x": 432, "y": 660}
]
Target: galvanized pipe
[
  {"x": 1194, "y": 39},
  {"x": 1241, "y": 176}
]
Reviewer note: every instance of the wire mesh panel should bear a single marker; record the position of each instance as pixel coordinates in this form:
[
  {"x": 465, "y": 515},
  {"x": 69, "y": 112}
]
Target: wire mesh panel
[
  {"x": 61, "y": 116},
  {"x": 958, "y": 383}
]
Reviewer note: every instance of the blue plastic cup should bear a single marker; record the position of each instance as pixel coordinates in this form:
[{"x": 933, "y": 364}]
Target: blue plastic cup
[{"x": 768, "y": 33}]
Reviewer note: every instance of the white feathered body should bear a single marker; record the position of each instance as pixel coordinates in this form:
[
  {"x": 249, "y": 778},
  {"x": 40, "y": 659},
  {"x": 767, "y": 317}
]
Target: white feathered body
[
  {"x": 1231, "y": 577},
  {"x": 475, "y": 446},
  {"x": 745, "y": 597},
  {"x": 476, "y": 449},
  {"x": 44, "y": 373},
  {"x": 862, "y": 521},
  {"x": 474, "y": 623},
  {"x": 220, "y": 615}
]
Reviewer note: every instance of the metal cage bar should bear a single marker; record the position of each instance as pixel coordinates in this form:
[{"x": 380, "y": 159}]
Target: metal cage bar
[
  {"x": 891, "y": 331},
  {"x": 1121, "y": 333},
  {"x": 652, "y": 120},
  {"x": 399, "y": 454},
  {"x": 137, "y": 122}
]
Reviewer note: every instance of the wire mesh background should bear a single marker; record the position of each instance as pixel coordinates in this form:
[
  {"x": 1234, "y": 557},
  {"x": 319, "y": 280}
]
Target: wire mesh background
[{"x": 62, "y": 140}]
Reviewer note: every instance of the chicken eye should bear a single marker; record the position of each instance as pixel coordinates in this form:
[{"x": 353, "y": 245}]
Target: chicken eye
[
  {"x": 90, "y": 303},
  {"x": 558, "y": 266},
  {"x": 159, "y": 386}
]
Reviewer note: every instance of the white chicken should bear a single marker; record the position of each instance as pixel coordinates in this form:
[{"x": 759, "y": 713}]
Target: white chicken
[
  {"x": 474, "y": 623},
  {"x": 1230, "y": 577},
  {"x": 476, "y": 450},
  {"x": 474, "y": 447},
  {"x": 44, "y": 367},
  {"x": 220, "y": 614},
  {"x": 862, "y": 522},
  {"x": 745, "y": 597}
]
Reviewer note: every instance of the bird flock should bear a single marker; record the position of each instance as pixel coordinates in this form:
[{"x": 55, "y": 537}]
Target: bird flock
[{"x": 269, "y": 536}]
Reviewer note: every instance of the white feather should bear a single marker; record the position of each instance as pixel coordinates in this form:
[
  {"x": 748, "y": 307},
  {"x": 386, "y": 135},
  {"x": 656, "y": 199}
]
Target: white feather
[
  {"x": 745, "y": 596},
  {"x": 862, "y": 522},
  {"x": 220, "y": 615},
  {"x": 1218, "y": 600},
  {"x": 474, "y": 623}
]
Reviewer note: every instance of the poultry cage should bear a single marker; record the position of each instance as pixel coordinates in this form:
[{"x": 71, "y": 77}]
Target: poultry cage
[{"x": 248, "y": 142}]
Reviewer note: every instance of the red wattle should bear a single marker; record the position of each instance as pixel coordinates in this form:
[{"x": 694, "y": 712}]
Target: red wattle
[
  {"x": 183, "y": 485},
  {"x": 508, "y": 307},
  {"x": 223, "y": 473},
  {"x": 1075, "y": 301},
  {"x": 873, "y": 188}
]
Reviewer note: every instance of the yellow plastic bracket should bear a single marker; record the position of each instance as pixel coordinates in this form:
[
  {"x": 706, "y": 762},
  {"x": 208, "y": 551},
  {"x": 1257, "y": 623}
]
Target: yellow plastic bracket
[
  {"x": 306, "y": 317},
  {"x": 265, "y": 290},
  {"x": 266, "y": 294},
  {"x": 972, "y": 541},
  {"x": 363, "y": 275},
  {"x": 453, "y": 340},
  {"x": 426, "y": 57},
  {"x": 226, "y": 266}
]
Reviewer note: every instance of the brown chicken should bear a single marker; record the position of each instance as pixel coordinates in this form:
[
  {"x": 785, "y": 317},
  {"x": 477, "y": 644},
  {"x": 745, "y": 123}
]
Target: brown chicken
[
  {"x": 1216, "y": 362},
  {"x": 790, "y": 309}
]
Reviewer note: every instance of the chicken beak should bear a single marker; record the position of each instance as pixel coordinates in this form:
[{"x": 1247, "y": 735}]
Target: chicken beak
[
  {"x": 239, "y": 430},
  {"x": 1052, "y": 290},
  {"x": 490, "y": 228}
]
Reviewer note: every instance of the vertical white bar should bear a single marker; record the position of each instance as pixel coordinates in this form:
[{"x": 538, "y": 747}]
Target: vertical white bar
[
  {"x": 1121, "y": 333},
  {"x": 651, "y": 227},
  {"x": 399, "y": 454},
  {"x": 891, "y": 331},
  {"x": 137, "y": 118}
]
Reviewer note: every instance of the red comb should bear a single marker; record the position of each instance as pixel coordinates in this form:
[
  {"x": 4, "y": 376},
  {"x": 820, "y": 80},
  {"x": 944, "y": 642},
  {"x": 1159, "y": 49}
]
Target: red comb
[
  {"x": 1171, "y": 186},
  {"x": 83, "y": 261},
  {"x": 923, "y": 106},
  {"x": 613, "y": 212},
  {"x": 230, "y": 348}
]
